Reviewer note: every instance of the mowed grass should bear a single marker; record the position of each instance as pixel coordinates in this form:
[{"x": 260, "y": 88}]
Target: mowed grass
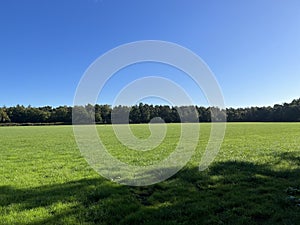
[{"x": 255, "y": 179}]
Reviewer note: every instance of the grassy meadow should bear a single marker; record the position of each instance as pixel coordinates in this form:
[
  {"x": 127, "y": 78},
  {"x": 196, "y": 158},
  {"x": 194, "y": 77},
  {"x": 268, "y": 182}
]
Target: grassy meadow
[{"x": 255, "y": 179}]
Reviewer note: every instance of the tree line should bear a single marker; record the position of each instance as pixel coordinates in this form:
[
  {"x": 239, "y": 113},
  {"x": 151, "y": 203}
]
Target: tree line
[{"x": 144, "y": 113}]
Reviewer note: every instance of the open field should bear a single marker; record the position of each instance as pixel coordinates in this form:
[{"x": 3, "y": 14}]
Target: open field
[{"x": 44, "y": 179}]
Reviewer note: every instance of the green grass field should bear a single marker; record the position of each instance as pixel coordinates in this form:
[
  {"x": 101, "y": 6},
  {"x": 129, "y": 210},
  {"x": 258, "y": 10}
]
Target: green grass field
[{"x": 255, "y": 179}]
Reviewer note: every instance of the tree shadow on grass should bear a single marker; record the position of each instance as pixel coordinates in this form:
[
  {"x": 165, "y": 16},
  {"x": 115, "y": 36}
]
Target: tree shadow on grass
[{"x": 230, "y": 192}]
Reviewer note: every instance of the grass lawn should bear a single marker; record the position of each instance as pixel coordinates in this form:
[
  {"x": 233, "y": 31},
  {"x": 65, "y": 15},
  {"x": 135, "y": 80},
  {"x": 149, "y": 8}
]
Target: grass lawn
[{"x": 255, "y": 179}]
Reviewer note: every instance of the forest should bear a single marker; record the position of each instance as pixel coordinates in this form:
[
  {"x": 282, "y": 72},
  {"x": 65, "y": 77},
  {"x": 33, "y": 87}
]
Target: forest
[{"x": 144, "y": 113}]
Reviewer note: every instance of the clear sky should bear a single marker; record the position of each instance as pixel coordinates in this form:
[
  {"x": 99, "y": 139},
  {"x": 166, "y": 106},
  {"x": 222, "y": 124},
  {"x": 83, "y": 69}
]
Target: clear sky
[{"x": 252, "y": 46}]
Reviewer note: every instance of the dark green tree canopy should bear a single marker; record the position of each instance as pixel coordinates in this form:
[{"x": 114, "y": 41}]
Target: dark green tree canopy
[{"x": 144, "y": 113}]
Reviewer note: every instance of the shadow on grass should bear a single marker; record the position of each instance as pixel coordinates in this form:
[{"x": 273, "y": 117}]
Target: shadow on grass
[{"x": 230, "y": 192}]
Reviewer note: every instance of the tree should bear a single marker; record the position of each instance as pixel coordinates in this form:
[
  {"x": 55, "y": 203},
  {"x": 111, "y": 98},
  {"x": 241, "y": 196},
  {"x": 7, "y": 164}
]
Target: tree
[
  {"x": 188, "y": 114},
  {"x": 98, "y": 117},
  {"x": 17, "y": 114},
  {"x": 61, "y": 114},
  {"x": 144, "y": 113},
  {"x": 135, "y": 114},
  {"x": 120, "y": 114},
  {"x": 105, "y": 113},
  {"x": 4, "y": 118},
  {"x": 80, "y": 115},
  {"x": 35, "y": 115},
  {"x": 165, "y": 113},
  {"x": 90, "y": 109}
]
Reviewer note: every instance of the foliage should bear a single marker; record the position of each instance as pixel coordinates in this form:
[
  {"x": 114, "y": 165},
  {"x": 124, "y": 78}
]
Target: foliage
[{"x": 144, "y": 113}]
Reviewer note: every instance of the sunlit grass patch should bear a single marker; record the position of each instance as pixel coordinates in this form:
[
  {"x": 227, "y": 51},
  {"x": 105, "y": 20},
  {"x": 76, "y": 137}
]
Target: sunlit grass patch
[{"x": 253, "y": 180}]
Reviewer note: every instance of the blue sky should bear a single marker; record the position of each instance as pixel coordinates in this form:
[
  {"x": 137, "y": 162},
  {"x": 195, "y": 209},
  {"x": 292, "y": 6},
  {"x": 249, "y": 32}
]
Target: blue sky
[{"x": 252, "y": 47}]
